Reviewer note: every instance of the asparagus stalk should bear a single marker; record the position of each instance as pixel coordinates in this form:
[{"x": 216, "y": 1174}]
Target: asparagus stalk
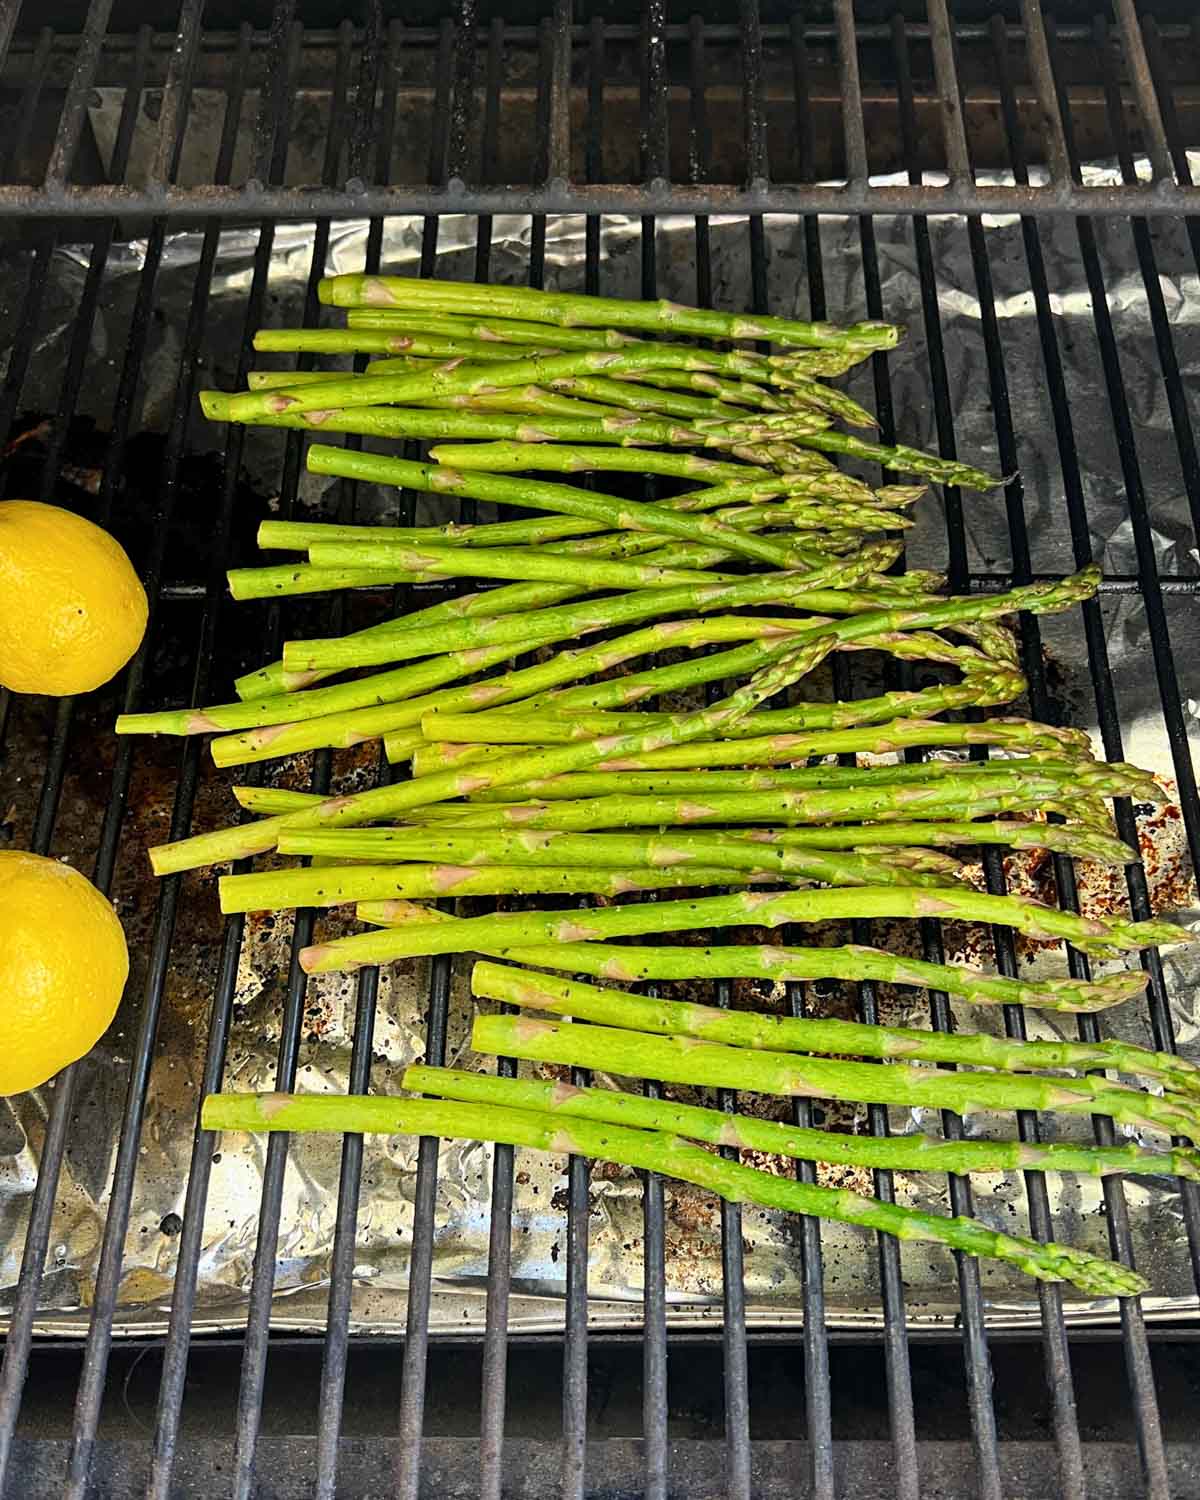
[
  {"x": 902, "y": 1153},
  {"x": 391, "y": 800},
  {"x": 804, "y": 593},
  {"x": 487, "y": 330},
  {"x": 757, "y": 807},
  {"x": 700, "y": 408},
  {"x": 455, "y": 379},
  {"x": 752, "y": 1029},
  {"x": 602, "y": 852},
  {"x": 979, "y": 689},
  {"x": 1064, "y": 838},
  {"x": 617, "y": 514},
  {"x": 298, "y": 536},
  {"x": 631, "y": 1054},
  {"x": 337, "y": 885},
  {"x": 1104, "y": 938},
  {"x": 556, "y": 419},
  {"x": 567, "y": 310},
  {"x": 514, "y": 598},
  {"x": 344, "y": 697},
  {"x": 441, "y": 348},
  {"x": 901, "y": 734},
  {"x": 655, "y": 1151},
  {"x": 535, "y": 564},
  {"x": 359, "y": 723},
  {"x": 817, "y": 589},
  {"x": 273, "y": 679},
  {"x": 273, "y": 799},
  {"x": 292, "y": 579},
  {"x": 574, "y": 458},
  {"x": 629, "y": 964},
  {"x": 664, "y": 783}
]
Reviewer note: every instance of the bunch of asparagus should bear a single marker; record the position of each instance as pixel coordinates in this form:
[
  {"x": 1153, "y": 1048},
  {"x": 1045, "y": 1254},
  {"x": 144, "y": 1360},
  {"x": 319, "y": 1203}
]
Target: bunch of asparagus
[
  {"x": 559, "y": 774},
  {"x": 667, "y": 1040}
]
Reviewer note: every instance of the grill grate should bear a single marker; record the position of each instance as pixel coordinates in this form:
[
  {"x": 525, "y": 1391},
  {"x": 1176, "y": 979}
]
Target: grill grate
[{"x": 377, "y": 70}]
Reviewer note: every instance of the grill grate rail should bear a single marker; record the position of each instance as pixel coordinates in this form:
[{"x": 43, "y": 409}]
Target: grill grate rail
[{"x": 573, "y": 60}]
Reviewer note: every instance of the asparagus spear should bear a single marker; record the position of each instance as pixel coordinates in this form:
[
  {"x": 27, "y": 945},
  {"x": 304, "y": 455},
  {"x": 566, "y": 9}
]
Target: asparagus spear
[
  {"x": 786, "y": 808},
  {"x": 597, "y": 389},
  {"x": 536, "y": 564},
  {"x": 556, "y": 419},
  {"x": 512, "y": 599},
  {"x": 442, "y": 348},
  {"x": 903, "y": 1153},
  {"x": 567, "y": 310},
  {"x": 397, "y": 718},
  {"x": 487, "y": 329},
  {"x": 891, "y": 456},
  {"x": 1065, "y": 838},
  {"x": 628, "y": 964},
  {"x": 631, "y": 1054},
  {"x": 1103, "y": 938},
  {"x": 273, "y": 799},
  {"x": 336, "y": 885},
  {"x": 663, "y": 783},
  {"x": 390, "y": 800},
  {"x": 655, "y": 1151},
  {"x": 569, "y": 622},
  {"x": 899, "y": 735},
  {"x": 601, "y": 852},
  {"x": 292, "y": 579},
  {"x": 804, "y": 593},
  {"x": 298, "y": 536},
  {"x": 617, "y": 514},
  {"x": 455, "y": 379},
  {"x": 676, "y": 1018},
  {"x": 573, "y": 458}
]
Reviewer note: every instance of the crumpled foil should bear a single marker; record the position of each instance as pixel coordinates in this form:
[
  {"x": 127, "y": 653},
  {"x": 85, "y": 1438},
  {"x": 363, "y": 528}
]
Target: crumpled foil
[{"x": 772, "y": 1249}]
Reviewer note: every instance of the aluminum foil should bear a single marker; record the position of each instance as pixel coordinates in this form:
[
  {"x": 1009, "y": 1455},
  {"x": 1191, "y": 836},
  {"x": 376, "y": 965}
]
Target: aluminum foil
[{"x": 772, "y": 1252}]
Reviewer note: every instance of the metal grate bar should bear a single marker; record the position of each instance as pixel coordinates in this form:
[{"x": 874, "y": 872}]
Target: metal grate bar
[
  {"x": 1179, "y": 155},
  {"x": 253, "y": 201},
  {"x": 70, "y": 125},
  {"x": 463, "y": 89},
  {"x": 85, "y": 317},
  {"x": 897, "y": 1370},
  {"x": 558, "y": 147},
  {"x": 176, "y": 96},
  {"x": 491, "y": 139},
  {"x": 1173, "y": 384},
  {"x": 1059, "y": 1380},
  {"x": 420, "y": 1267},
  {"x": 757, "y": 168},
  {"x": 499, "y": 1280},
  {"x": 1060, "y": 1385},
  {"x": 951, "y": 101},
  {"x": 699, "y": 148},
  {"x": 1137, "y": 1354},
  {"x": 818, "y": 1401},
  {"x": 655, "y": 1408},
  {"x": 10, "y": 11},
  {"x": 854, "y": 132},
  {"x": 1140, "y": 76},
  {"x": 977, "y": 1359}
]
